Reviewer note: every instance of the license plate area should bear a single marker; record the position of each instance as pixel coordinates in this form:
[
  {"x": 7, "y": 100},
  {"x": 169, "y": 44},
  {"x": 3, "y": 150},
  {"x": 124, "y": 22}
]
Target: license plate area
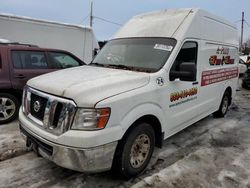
[
  {"x": 35, "y": 144},
  {"x": 31, "y": 145}
]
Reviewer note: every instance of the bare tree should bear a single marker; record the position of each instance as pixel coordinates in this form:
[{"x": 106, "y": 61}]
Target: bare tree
[{"x": 246, "y": 47}]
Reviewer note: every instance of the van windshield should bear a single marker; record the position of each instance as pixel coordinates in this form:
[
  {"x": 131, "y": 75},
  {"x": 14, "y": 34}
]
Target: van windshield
[{"x": 136, "y": 54}]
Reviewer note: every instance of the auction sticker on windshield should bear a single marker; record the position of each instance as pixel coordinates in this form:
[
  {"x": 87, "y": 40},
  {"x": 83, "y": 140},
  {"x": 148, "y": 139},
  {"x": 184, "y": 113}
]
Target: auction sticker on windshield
[{"x": 163, "y": 47}]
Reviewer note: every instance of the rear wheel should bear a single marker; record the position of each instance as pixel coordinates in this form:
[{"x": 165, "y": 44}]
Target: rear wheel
[
  {"x": 223, "y": 106},
  {"x": 9, "y": 106},
  {"x": 135, "y": 150}
]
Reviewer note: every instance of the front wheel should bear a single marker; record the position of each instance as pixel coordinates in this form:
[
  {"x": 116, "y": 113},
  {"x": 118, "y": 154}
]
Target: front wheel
[
  {"x": 223, "y": 106},
  {"x": 135, "y": 150},
  {"x": 9, "y": 106}
]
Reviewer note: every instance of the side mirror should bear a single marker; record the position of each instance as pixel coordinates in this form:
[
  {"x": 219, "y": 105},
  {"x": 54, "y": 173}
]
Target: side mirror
[
  {"x": 96, "y": 51},
  {"x": 187, "y": 72}
]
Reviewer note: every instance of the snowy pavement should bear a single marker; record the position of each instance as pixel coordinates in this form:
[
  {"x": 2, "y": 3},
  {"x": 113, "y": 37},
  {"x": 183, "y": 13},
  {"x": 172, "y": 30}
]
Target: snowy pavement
[{"x": 210, "y": 153}]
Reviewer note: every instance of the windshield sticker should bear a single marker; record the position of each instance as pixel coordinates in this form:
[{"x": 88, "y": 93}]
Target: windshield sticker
[{"x": 163, "y": 47}]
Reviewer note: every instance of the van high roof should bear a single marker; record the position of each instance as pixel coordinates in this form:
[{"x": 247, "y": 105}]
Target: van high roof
[{"x": 180, "y": 24}]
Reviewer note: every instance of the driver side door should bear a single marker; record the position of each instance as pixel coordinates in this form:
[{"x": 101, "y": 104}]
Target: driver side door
[{"x": 182, "y": 106}]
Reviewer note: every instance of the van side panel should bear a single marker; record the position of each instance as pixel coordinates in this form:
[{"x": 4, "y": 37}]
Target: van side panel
[
  {"x": 215, "y": 30},
  {"x": 219, "y": 65}
]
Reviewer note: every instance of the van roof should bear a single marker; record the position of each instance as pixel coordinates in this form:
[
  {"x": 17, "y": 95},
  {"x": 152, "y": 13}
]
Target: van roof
[{"x": 181, "y": 24}]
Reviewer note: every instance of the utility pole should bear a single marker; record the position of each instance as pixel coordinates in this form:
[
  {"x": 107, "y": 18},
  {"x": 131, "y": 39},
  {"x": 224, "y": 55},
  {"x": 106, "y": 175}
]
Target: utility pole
[
  {"x": 242, "y": 30},
  {"x": 91, "y": 15}
]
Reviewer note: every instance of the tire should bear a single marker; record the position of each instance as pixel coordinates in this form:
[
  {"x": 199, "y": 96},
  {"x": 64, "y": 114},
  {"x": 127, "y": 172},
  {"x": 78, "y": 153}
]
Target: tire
[
  {"x": 9, "y": 106},
  {"x": 225, "y": 102},
  {"x": 130, "y": 158}
]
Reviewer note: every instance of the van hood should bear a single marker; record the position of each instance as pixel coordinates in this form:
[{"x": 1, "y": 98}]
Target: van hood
[{"x": 87, "y": 85}]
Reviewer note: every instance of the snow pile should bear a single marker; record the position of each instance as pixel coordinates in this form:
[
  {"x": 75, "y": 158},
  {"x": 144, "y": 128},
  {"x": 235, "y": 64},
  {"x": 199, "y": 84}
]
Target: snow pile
[
  {"x": 206, "y": 167},
  {"x": 221, "y": 159}
]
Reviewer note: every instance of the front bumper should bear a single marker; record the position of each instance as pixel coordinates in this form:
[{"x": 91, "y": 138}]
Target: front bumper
[{"x": 96, "y": 159}]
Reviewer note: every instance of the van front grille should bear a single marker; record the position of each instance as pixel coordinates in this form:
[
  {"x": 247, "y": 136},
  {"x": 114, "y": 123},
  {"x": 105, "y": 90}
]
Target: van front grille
[
  {"x": 55, "y": 114},
  {"x": 37, "y": 106}
]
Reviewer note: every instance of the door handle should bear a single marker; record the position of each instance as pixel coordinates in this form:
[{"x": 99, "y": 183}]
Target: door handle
[
  {"x": 20, "y": 76},
  {"x": 195, "y": 83}
]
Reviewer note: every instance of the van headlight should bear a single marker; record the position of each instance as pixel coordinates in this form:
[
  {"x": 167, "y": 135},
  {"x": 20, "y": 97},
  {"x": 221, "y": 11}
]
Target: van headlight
[{"x": 91, "y": 119}]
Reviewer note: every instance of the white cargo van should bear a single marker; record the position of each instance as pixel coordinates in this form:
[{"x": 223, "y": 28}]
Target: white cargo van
[{"x": 162, "y": 72}]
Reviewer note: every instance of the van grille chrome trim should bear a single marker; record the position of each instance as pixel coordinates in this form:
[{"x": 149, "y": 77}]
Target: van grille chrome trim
[{"x": 55, "y": 106}]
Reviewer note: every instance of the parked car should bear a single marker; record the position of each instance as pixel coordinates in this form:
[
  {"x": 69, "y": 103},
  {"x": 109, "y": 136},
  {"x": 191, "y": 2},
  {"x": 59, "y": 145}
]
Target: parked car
[
  {"x": 19, "y": 63},
  {"x": 245, "y": 59},
  {"x": 246, "y": 79},
  {"x": 242, "y": 67}
]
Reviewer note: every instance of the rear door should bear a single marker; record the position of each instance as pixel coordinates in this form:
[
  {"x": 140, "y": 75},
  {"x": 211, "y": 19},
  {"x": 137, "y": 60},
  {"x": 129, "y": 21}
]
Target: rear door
[
  {"x": 4, "y": 70},
  {"x": 27, "y": 64}
]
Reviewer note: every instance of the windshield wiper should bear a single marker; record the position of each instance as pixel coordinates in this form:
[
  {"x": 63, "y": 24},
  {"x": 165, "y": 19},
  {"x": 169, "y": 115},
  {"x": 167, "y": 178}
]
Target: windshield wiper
[
  {"x": 97, "y": 64},
  {"x": 120, "y": 66},
  {"x": 112, "y": 66}
]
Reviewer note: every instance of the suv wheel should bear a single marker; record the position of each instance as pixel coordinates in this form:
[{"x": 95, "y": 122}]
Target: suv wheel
[
  {"x": 9, "y": 106},
  {"x": 223, "y": 106},
  {"x": 135, "y": 150}
]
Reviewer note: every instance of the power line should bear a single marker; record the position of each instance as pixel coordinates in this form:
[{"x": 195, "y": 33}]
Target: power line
[
  {"x": 237, "y": 21},
  {"x": 84, "y": 19},
  {"x": 247, "y": 23},
  {"x": 108, "y": 21}
]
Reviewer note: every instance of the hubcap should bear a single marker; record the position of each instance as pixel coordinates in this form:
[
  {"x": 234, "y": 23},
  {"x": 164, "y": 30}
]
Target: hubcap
[
  {"x": 7, "y": 108},
  {"x": 139, "y": 151},
  {"x": 224, "y": 105}
]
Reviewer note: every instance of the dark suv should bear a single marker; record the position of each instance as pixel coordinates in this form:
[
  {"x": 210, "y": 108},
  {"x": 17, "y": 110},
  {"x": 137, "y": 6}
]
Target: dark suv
[
  {"x": 246, "y": 79},
  {"x": 19, "y": 63}
]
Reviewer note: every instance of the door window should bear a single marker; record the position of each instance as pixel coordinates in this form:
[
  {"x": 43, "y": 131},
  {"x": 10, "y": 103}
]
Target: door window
[
  {"x": 29, "y": 60},
  {"x": 60, "y": 60},
  {"x": 187, "y": 54}
]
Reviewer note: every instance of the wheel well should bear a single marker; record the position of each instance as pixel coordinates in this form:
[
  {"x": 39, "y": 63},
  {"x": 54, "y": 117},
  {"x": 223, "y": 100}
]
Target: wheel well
[
  {"x": 155, "y": 123},
  {"x": 229, "y": 90},
  {"x": 16, "y": 93}
]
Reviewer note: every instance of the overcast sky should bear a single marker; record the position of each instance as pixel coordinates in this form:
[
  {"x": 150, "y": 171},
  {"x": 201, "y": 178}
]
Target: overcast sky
[{"x": 118, "y": 11}]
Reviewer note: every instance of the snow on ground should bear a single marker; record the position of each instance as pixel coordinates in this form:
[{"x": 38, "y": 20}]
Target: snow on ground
[
  {"x": 210, "y": 153},
  {"x": 221, "y": 157},
  {"x": 11, "y": 142}
]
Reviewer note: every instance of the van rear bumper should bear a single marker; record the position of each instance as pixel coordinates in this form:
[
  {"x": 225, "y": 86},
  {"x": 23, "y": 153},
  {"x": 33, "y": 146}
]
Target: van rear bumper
[{"x": 89, "y": 160}]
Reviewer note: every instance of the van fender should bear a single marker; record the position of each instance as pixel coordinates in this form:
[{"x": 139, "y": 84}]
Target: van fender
[
  {"x": 139, "y": 111},
  {"x": 226, "y": 85}
]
